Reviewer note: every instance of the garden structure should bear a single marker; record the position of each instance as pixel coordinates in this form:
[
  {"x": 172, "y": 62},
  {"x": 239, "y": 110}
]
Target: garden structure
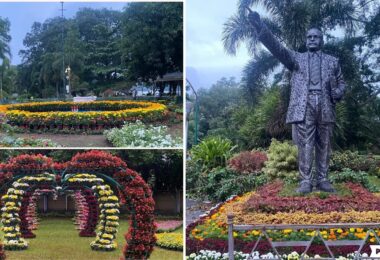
[
  {"x": 83, "y": 116},
  {"x": 98, "y": 181}
]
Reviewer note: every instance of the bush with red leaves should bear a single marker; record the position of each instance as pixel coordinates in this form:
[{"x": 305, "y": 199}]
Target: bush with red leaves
[
  {"x": 95, "y": 161},
  {"x": 248, "y": 162},
  {"x": 28, "y": 164}
]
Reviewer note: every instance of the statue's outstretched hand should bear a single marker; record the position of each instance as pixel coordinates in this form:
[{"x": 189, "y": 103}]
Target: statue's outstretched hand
[{"x": 254, "y": 19}]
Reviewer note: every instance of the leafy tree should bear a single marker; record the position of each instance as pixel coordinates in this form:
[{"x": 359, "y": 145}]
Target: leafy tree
[
  {"x": 5, "y": 38},
  {"x": 100, "y": 33},
  {"x": 5, "y": 51},
  {"x": 153, "y": 39}
]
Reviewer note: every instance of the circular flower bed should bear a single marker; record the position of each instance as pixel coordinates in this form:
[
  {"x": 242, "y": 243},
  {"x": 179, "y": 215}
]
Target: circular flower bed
[{"x": 55, "y": 116}]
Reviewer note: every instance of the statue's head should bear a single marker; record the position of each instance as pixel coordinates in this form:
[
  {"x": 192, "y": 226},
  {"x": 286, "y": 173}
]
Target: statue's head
[{"x": 314, "y": 39}]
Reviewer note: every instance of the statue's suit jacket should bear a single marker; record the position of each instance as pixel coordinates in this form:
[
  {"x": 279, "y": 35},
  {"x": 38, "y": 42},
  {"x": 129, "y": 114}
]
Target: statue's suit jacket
[{"x": 298, "y": 64}]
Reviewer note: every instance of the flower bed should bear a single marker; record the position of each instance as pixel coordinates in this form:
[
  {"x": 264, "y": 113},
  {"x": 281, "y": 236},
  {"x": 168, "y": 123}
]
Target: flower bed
[
  {"x": 173, "y": 241},
  {"x": 214, "y": 255},
  {"x": 268, "y": 200},
  {"x": 57, "y": 116},
  {"x": 140, "y": 135},
  {"x": 168, "y": 225},
  {"x": 210, "y": 231}
]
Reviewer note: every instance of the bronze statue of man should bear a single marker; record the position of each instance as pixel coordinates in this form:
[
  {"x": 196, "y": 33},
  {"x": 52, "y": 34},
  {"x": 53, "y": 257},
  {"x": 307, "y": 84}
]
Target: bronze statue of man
[{"x": 316, "y": 86}]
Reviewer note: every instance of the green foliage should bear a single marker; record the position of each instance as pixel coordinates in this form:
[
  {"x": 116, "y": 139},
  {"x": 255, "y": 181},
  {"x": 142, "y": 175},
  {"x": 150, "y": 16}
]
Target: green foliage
[
  {"x": 212, "y": 152},
  {"x": 140, "y": 135},
  {"x": 282, "y": 161},
  {"x": 5, "y": 38},
  {"x": 257, "y": 128},
  {"x": 220, "y": 111},
  {"x": 354, "y": 161},
  {"x": 152, "y": 45},
  {"x": 348, "y": 175},
  {"x": 221, "y": 183}
]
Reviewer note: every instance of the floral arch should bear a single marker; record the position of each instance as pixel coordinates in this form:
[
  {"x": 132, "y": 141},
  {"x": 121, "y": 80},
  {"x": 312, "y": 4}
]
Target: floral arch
[{"x": 100, "y": 183}]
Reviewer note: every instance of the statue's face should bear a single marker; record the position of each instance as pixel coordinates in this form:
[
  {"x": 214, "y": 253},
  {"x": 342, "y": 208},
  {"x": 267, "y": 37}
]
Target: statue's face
[{"x": 314, "y": 39}]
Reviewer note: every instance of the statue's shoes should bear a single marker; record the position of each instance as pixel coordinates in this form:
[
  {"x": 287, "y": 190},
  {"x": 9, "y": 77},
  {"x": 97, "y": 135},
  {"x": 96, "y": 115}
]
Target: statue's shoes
[
  {"x": 304, "y": 188},
  {"x": 325, "y": 186}
]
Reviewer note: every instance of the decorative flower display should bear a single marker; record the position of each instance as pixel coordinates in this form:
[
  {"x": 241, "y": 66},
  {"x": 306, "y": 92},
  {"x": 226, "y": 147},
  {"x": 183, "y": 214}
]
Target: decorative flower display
[
  {"x": 168, "y": 225},
  {"x": 211, "y": 230},
  {"x": 109, "y": 210},
  {"x": 48, "y": 116},
  {"x": 28, "y": 164},
  {"x": 141, "y": 234},
  {"x": 11, "y": 209},
  {"x": 19, "y": 208},
  {"x": 173, "y": 241},
  {"x": 214, "y": 255},
  {"x": 95, "y": 161}
]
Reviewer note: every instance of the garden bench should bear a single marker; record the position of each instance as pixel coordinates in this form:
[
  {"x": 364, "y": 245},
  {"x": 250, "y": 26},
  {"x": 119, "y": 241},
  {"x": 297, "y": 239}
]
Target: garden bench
[{"x": 317, "y": 227}]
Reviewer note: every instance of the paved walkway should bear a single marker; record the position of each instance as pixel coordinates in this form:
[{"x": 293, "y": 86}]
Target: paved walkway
[
  {"x": 68, "y": 140},
  {"x": 195, "y": 208}
]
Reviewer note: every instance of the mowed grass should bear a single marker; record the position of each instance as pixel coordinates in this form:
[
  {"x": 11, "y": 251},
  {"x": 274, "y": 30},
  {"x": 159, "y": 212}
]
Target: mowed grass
[{"x": 58, "y": 239}]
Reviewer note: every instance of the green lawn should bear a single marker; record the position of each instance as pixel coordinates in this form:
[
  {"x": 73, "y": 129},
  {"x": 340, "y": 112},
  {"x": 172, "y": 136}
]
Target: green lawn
[{"x": 58, "y": 239}]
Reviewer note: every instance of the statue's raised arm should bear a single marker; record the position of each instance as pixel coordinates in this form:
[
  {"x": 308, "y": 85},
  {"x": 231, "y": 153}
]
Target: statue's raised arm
[{"x": 284, "y": 55}]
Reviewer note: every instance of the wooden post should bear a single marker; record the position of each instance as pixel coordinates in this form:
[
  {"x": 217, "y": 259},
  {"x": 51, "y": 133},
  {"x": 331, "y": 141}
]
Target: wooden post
[{"x": 230, "y": 223}]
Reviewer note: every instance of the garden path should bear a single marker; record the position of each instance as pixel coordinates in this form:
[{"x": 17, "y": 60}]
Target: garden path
[
  {"x": 68, "y": 140},
  {"x": 195, "y": 208}
]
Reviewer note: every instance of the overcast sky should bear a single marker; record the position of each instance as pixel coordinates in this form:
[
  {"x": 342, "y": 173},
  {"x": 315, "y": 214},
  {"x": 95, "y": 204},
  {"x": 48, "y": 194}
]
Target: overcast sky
[
  {"x": 23, "y": 15},
  {"x": 205, "y": 56}
]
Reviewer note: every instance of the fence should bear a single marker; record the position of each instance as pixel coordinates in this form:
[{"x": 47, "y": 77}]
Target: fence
[{"x": 317, "y": 228}]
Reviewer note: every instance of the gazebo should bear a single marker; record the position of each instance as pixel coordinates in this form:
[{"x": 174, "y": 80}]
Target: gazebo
[{"x": 175, "y": 82}]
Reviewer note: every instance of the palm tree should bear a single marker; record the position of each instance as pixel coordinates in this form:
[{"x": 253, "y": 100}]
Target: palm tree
[{"x": 5, "y": 51}]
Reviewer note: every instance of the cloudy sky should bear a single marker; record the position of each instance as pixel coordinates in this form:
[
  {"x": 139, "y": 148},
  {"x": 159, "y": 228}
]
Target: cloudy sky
[
  {"x": 23, "y": 15},
  {"x": 205, "y": 56}
]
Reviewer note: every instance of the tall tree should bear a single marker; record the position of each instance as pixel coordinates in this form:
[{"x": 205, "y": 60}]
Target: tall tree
[
  {"x": 5, "y": 51},
  {"x": 152, "y": 39}
]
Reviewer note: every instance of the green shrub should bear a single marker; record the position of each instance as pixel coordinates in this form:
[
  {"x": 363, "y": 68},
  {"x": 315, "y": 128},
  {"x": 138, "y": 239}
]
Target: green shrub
[
  {"x": 354, "y": 161},
  {"x": 212, "y": 152},
  {"x": 348, "y": 175},
  {"x": 282, "y": 161},
  {"x": 222, "y": 183}
]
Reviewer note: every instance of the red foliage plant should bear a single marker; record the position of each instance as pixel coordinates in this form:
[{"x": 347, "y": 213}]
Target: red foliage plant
[
  {"x": 96, "y": 161},
  {"x": 267, "y": 200},
  {"x": 28, "y": 164},
  {"x": 248, "y": 162}
]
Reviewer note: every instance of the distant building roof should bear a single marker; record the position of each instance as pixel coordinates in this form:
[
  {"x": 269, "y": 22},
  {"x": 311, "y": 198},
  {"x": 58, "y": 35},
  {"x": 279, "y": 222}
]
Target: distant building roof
[{"x": 172, "y": 76}]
